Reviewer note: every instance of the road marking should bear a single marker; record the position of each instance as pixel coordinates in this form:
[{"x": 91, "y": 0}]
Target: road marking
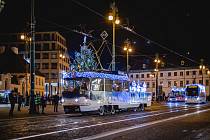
[
  {"x": 94, "y": 125},
  {"x": 105, "y": 134}
]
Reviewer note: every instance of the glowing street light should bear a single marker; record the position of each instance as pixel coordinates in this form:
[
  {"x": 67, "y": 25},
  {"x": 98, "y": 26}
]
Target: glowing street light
[
  {"x": 113, "y": 16},
  {"x": 128, "y": 49}
]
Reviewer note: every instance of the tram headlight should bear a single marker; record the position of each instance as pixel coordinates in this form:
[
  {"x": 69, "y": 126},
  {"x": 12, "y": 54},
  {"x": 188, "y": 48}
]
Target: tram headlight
[
  {"x": 76, "y": 100},
  {"x": 62, "y": 100}
]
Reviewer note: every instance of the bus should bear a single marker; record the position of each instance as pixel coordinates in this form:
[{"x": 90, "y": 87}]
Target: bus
[
  {"x": 103, "y": 92},
  {"x": 177, "y": 95},
  {"x": 195, "y": 93}
]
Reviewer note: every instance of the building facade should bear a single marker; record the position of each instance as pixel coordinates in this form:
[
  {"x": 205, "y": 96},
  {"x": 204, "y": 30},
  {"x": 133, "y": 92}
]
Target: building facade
[
  {"x": 168, "y": 78},
  {"x": 15, "y": 76},
  {"x": 51, "y": 56}
]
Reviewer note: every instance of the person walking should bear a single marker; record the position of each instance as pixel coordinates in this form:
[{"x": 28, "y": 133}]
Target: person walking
[
  {"x": 20, "y": 100},
  {"x": 55, "y": 102},
  {"x": 37, "y": 102},
  {"x": 12, "y": 102},
  {"x": 43, "y": 103}
]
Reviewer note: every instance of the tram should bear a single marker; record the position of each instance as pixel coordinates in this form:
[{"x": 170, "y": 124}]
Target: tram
[
  {"x": 103, "y": 92},
  {"x": 195, "y": 93},
  {"x": 177, "y": 95}
]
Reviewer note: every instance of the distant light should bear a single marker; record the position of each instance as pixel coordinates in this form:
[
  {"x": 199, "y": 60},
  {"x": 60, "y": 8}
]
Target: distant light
[
  {"x": 22, "y": 37},
  {"x": 125, "y": 49},
  {"x": 110, "y": 17},
  {"x": 117, "y": 21},
  {"x": 130, "y": 50}
]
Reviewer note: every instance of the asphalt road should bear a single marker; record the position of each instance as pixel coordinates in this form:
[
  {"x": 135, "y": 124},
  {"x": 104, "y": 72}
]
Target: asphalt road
[{"x": 174, "y": 121}]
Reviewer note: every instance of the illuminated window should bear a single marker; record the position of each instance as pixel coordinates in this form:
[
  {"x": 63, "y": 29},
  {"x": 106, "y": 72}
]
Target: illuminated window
[
  {"x": 169, "y": 73},
  {"x": 175, "y": 83},
  {"x": 169, "y": 83},
  {"x": 153, "y": 84},
  {"x": 181, "y": 84}
]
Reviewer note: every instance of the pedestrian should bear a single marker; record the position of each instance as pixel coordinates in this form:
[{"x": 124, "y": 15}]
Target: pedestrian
[
  {"x": 55, "y": 102},
  {"x": 12, "y": 102},
  {"x": 43, "y": 103},
  {"x": 19, "y": 101},
  {"x": 37, "y": 102}
]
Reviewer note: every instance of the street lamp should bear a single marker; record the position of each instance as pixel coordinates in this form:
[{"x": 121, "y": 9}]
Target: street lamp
[
  {"x": 113, "y": 16},
  {"x": 157, "y": 62},
  {"x": 60, "y": 74},
  {"x": 2, "y": 3},
  {"x": 202, "y": 67},
  {"x": 128, "y": 49}
]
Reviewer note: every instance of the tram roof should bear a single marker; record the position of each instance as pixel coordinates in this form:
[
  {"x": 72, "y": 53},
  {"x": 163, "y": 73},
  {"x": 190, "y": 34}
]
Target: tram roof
[{"x": 91, "y": 74}]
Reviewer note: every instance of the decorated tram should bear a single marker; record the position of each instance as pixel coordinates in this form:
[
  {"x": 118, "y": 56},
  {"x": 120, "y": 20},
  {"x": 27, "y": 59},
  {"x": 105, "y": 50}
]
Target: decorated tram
[{"x": 103, "y": 92}]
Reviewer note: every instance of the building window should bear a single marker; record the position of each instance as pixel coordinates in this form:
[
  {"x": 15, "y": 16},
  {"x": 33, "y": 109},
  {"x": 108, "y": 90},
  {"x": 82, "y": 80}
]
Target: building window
[
  {"x": 161, "y": 74},
  {"x": 207, "y": 82},
  {"x": 194, "y": 72},
  {"x": 187, "y": 82},
  {"x": 38, "y": 37},
  {"x": 200, "y": 81},
  {"x": 175, "y": 73},
  {"x": 45, "y": 66},
  {"x": 187, "y": 73},
  {"x": 45, "y": 56},
  {"x": 53, "y": 65},
  {"x": 37, "y": 55},
  {"x": 54, "y": 75},
  {"x": 153, "y": 84},
  {"x": 142, "y": 75},
  {"x": 131, "y": 75},
  {"x": 181, "y": 84},
  {"x": 137, "y": 76},
  {"x": 169, "y": 83},
  {"x": 148, "y": 75},
  {"x": 169, "y": 73},
  {"x": 46, "y": 37},
  {"x": 181, "y": 73},
  {"x": 45, "y": 47},
  {"x": 53, "y": 47},
  {"x": 147, "y": 84},
  {"x": 200, "y": 72},
  {"x": 38, "y": 47},
  {"x": 54, "y": 55},
  {"x": 37, "y": 65},
  {"x": 175, "y": 83}
]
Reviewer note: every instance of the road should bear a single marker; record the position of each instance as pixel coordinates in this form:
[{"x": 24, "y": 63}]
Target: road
[{"x": 169, "y": 121}]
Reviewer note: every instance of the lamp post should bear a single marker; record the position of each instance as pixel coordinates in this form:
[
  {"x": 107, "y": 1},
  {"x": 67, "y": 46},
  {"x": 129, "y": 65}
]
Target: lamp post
[
  {"x": 157, "y": 61},
  {"x": 60, "y": 74},
  {"x": 32, "y": 62},
  {"x": 27, "y": 39},
  {"x": 113, "y": 16},
  {"x": 202, "y": 67},
  {"x": 2, "y": 3},
  {"x": 127, "y": 48}
]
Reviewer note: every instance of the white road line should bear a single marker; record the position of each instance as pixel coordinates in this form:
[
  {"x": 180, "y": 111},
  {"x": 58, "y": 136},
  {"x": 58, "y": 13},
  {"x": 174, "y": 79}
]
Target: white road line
[
  {"x": 89, "y": 126},
  {"x": 105, "y": 134}
]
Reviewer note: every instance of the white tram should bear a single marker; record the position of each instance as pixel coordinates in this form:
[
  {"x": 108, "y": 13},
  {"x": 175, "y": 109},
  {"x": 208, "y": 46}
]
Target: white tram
[{"x": 103, "y": 92}]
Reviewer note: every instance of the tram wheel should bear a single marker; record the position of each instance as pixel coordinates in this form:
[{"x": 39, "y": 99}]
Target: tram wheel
[
  {"x": 113, "y": 111},
  {"x": 101, "y": 110}
]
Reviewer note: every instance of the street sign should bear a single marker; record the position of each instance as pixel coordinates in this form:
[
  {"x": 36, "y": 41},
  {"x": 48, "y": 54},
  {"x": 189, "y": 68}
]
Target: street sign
[{"x": 104, "y": 35}]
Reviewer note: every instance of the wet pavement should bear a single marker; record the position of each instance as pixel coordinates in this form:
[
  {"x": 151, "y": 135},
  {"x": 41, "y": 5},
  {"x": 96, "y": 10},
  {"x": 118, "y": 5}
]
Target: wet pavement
[{"x": 161, "y": 121}]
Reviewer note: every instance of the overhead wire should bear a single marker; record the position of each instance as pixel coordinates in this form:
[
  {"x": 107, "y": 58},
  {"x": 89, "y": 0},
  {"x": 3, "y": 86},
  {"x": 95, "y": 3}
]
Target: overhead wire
[{"x": 139, "y": 35}]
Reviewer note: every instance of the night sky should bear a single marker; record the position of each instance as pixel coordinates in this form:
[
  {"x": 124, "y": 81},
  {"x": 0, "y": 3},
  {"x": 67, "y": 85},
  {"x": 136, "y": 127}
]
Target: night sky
[{"x": 182, "y": 26}]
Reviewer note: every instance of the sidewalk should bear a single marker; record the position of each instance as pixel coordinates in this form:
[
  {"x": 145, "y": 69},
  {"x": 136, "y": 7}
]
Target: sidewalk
[{"x": 49, "y": 110}]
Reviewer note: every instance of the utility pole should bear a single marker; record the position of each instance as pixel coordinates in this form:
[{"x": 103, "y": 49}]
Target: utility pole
[
  {"x": 115, "y": 20},
  {"x": 202, "y": 67},
  {"x": 157, "y": 61},
  {"x": 32, "y": 66}
]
